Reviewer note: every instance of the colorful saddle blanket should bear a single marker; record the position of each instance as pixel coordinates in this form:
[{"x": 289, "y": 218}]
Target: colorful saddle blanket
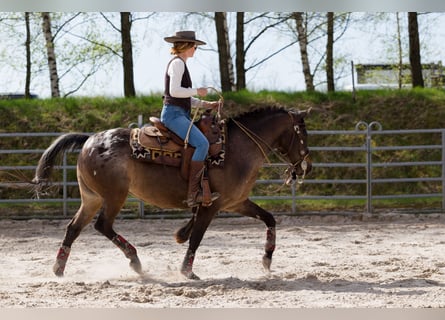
[{"x": 159, "y": 145}]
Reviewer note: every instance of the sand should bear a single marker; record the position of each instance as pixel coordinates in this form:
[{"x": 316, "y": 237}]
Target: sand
[{"x": 318, "y": 263}]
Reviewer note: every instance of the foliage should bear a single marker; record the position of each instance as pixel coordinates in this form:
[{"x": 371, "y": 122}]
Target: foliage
[{"x": 410, "y": 109}]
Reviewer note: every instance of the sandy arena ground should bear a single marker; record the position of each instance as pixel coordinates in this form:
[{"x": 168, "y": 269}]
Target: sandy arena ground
[{"x": 319, "y": 262}]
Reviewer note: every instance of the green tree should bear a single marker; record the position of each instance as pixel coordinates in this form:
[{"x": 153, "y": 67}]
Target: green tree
[
  {"x": 414, "y": 50},
  {"x": 28, "y": 56},
  {"x": 127, "y": 54},
  {"x": 303, "y": 41},
  {"x": 51, "y": 54},
  {"x": 224, "y": 57},
  {"x": 330, "y": 52}
]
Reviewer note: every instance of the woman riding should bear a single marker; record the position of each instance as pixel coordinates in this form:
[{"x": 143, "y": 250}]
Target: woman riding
[{"x": 178, "y": 100}]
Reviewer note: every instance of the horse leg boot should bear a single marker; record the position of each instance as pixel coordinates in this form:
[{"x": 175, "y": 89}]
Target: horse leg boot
[
  {"x": 195, "y": 195},
  {"x": 129, "y": 251},
  {"x": 62, "y": 257},
  {"x": 269, "y": 247},
  {"x": 187, "y": 265}
]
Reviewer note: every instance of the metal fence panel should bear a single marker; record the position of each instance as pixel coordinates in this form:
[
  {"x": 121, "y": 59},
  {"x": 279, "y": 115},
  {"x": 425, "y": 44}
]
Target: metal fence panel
[{"x": 366, "y": 132}]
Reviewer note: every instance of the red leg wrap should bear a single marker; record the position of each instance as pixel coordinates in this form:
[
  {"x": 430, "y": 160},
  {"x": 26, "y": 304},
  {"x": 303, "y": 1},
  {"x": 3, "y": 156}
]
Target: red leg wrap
[
  {"x": 270, "y": 240},
  {"x": 125, "y": 246},
  {"x": 187, "y": 265},
  {"x": 62, "y": 257}
]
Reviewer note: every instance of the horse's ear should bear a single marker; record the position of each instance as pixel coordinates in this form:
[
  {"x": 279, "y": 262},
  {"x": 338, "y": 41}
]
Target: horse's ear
[{"x": 304, "y": 113}]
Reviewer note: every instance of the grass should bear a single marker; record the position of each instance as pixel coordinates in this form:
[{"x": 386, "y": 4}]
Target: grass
[{"x": 406, "y": 109}]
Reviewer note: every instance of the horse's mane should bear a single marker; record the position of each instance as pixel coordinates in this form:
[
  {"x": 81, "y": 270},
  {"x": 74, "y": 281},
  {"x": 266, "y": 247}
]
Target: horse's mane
[{"x": 258, "y": 113}]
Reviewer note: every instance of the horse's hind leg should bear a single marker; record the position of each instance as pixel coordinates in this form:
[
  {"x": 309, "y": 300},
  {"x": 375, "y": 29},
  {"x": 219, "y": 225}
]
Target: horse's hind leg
[
  {"x": 104, "y": 225},
  {"x": 84, "y": 215}
]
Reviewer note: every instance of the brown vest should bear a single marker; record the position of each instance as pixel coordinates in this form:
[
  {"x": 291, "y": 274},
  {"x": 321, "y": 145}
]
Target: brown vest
[{"x": 186, "y": 82}]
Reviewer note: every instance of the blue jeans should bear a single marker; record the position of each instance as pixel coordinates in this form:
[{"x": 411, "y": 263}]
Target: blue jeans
[{"x": 178, "y": 120}]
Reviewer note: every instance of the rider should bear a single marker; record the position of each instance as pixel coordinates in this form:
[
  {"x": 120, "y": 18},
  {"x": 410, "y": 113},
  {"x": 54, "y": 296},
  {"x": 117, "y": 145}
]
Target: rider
[{"x": 178, "y": 100}]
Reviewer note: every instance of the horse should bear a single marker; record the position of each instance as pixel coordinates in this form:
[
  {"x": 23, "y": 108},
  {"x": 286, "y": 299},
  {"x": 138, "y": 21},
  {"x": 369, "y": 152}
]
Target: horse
[{"x": 106, "y": 174}]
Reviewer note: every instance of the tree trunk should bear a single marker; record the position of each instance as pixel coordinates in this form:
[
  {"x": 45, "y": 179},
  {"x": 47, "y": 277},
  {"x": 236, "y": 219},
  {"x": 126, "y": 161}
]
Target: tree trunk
[
  {"x": 302, "y": 40},
  {"x": 414, "y": 50},
  {"x": 127, "y": 55},
  {"x": 51, "y": 55},
  {"x": 240, "y": 53},
  {"x": 28, "y": 57},
  {"x": 225, "y": 60},
  {"x": 400, "y": 52},
  {"x": 330, "y": 52}
]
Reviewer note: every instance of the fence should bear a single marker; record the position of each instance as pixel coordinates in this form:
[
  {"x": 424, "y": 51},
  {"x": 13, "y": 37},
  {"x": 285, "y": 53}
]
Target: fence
[{"x": 425, "y": 167}]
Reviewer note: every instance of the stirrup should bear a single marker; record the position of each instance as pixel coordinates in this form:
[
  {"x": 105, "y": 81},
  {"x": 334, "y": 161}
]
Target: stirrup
[
  {"x": 213, "y": 197},
  {"x": 197, "y": 200}
]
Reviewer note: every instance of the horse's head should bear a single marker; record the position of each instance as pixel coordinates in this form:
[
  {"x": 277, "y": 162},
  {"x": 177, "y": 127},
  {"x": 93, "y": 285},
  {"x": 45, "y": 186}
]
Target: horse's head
[{"x": 293, "y": 145}]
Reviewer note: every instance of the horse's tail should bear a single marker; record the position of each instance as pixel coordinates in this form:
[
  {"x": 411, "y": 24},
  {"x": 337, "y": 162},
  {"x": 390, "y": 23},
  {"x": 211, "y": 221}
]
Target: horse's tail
[
  {"x": 183, "y": 234},
  {"x": 69, "y": 141}
]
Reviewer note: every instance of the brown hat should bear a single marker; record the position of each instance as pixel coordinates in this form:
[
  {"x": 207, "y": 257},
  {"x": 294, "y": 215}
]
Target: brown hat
[{"x": 184, "y": 36}]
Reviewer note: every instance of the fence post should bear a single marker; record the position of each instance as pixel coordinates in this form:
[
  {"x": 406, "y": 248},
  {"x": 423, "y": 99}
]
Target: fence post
[
  {"x": 141, "y": 203},
  {"x": 368, "y": 171},
  {"x": 369, "y": 152},
  {"x": 443, "y": 170},
  {"x": 368, "y": 148}
]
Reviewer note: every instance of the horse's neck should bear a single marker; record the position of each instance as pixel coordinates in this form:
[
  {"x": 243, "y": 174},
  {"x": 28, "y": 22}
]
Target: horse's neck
[
  {"x": 262, "y": 132},
  {"x": 266, "y": 129}
]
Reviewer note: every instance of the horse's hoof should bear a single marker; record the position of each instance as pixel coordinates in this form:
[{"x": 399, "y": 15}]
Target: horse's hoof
[
  {"x": 190, "y": 275},
  {"x": 136, "y": 265},
  {"x": 58, "y": 269},
  {"x": 266, "y": 263}
]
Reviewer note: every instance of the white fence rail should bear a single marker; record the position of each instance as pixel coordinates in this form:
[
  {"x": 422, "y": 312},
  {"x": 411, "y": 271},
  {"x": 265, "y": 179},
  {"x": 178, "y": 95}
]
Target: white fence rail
[{"x": 366, "y": 147}]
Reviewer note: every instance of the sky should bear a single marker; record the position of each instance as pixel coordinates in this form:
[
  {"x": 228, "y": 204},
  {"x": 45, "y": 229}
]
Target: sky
[{"x": 365, "y": 44}]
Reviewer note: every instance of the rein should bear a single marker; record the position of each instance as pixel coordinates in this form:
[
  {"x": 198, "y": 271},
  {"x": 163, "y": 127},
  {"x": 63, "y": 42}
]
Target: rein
[
  {"x": 289, "y": 171},
  {"x": 221, "y": 102},
  {"x": 252, "y": 136}
]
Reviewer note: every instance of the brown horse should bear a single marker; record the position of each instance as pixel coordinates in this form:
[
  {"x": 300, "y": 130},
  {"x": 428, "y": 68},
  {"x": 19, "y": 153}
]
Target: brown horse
[{"x": 107, "y": 174}]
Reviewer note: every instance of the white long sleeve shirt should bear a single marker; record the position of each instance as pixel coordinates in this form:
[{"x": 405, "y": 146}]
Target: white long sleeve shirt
[{"x": 175, "y": 71}]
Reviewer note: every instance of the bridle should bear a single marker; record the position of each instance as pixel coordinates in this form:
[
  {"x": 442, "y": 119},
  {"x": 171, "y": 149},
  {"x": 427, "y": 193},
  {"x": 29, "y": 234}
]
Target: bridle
[
  {"x": 296, "y": 135},
  {"x": 290, "y": 171}
]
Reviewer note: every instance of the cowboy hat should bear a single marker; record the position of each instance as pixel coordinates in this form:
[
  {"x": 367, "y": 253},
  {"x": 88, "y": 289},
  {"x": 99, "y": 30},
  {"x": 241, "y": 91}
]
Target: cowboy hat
[{"x": 184, "y": 36}]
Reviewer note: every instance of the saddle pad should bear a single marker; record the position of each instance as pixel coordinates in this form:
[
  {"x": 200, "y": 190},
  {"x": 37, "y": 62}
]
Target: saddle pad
[
  {"x": 150, "y": 144},
  {"x": 152, "y": 150}
]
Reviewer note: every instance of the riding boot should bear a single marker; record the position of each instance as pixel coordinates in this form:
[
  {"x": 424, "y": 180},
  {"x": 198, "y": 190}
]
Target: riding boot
[{"x": 195, "y": 193}]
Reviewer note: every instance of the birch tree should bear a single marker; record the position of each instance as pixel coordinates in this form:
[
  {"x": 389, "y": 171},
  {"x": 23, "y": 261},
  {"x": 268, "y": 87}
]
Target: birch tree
[
  {"x": 303, "y": 42},
  {"x": 51, "y": 54},
  {"x": 330, "y": 52},
  {"x": 400, "y": 52}
]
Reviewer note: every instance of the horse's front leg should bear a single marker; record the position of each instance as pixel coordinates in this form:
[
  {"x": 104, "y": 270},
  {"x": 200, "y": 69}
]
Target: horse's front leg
[
  {"x": 203, "y": 218},
  {"x": 250, "y": 209},
  {"x": 269, "y": 247}
]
